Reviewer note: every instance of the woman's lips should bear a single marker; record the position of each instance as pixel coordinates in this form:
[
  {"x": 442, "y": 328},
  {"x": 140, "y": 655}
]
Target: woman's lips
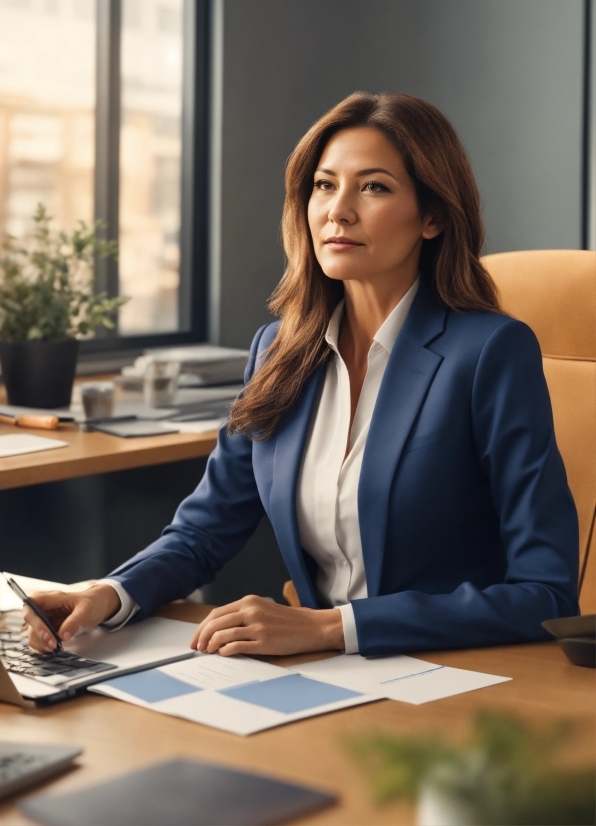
[{"x": 342, "y": 244}]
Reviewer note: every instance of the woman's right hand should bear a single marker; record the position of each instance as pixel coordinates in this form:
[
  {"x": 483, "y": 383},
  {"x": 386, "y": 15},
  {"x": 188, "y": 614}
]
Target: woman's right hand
[{"x": 68, "y": 612}]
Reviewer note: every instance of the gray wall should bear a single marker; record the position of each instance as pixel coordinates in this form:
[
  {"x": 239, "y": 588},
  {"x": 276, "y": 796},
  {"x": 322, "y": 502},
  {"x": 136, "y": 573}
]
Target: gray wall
[{"x": 508, "y": 73}]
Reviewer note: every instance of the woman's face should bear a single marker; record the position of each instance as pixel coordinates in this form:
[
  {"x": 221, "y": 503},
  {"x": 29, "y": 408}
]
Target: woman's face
[{"x": 363, "y": 213}]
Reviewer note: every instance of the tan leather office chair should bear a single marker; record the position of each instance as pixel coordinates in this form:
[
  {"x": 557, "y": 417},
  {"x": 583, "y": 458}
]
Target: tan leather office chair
[{"x": 554, "y": 292}]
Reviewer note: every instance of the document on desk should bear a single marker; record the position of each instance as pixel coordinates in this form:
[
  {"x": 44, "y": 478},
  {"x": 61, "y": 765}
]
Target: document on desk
[
  {"x": 397, "y": 678},
  {"x": 14, "y": 444},
  {"x": 236, "y": 694}
]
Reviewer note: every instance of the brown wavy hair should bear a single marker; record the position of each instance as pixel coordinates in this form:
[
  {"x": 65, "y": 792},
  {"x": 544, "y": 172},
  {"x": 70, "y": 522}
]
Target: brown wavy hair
[{"x": 305, "y": 297}]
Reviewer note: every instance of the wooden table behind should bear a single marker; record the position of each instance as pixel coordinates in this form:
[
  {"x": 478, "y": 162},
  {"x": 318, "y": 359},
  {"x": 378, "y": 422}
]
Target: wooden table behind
[
  {"x": 89, "y": 453},
  {"x": 118, "y": 737}
]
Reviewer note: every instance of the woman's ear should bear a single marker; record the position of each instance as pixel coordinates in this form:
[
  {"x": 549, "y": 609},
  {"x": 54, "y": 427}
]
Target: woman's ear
[{"x": 432, "y": 225}]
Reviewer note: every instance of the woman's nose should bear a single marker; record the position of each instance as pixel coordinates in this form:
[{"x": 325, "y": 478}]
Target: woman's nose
[{"x": 341, "y": 210}]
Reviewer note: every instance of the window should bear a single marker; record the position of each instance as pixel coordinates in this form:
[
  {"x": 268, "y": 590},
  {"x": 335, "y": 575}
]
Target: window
[
  {"x": 103, "y": 116},
  {"x": 47, "y": 103},
  {"x": 150, "y": 158}
]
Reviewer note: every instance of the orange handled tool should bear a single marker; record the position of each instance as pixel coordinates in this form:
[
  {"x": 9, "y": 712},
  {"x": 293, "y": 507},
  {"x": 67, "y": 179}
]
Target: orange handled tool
[{"x": 31, "y": 420}]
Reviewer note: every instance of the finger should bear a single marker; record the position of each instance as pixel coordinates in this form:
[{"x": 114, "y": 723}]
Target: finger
[
  {"x": 241, "y": 647},
  {"x": 39, "y": 630},
  {"x": 44, "y": 646},
  {"x": 78, "y": 617},
  {"x": 204, "y": 632},
  {"x": 54, "y": 604},
  {"x": 221, "y": 611},
  {"x": 228, "y": 635},
  {"x": 209, "y": 618}
]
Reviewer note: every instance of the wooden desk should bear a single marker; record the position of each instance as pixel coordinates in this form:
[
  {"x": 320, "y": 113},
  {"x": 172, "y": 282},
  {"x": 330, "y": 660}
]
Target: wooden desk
[
  {"x": 118, "y": 737},
  {"x": 89, "y": 453}
]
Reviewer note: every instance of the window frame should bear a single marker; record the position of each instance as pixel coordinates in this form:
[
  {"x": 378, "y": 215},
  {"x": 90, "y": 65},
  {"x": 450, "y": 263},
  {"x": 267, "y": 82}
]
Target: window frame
[{"x": 193, "y": 293}]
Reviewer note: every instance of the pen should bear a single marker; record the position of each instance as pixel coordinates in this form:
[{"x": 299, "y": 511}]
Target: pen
[{"x": 36, "y": 610}]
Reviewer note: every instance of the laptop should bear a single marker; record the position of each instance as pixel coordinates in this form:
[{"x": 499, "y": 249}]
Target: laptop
[{"x": 90, "y": 658}]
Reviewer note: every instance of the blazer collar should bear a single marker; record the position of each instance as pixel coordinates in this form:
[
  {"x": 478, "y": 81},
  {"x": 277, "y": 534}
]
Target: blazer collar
[{"x": 426, "y": 320}]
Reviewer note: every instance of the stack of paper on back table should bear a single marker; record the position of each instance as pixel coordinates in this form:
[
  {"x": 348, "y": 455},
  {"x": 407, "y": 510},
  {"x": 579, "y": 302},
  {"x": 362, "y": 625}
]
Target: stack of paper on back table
[{"x": 236, "y": 694}]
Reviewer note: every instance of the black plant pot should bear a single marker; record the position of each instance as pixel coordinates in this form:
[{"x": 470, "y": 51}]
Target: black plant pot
[{"x": 39, "y": 373}]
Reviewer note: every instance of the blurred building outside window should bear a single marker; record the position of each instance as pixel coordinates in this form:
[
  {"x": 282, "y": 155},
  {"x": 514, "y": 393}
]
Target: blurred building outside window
[
  {"x": 47, "y": 137},
  {"x": 150, "y": 158}
]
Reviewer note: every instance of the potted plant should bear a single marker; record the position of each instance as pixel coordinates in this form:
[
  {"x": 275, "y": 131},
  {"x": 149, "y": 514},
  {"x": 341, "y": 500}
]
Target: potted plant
[
  {"x": 47, "y": 301},
  {"x": 507, "y": 773}
]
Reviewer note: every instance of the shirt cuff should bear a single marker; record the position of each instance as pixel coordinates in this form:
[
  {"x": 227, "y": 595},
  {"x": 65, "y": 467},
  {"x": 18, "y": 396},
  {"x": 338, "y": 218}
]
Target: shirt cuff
[
  {"x": 349, "y": 624},
  {"x": 128, "y": 607}
]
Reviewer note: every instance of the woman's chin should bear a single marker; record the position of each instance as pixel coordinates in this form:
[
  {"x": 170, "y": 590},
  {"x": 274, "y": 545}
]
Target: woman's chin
[{"x": 344, "y": 273}]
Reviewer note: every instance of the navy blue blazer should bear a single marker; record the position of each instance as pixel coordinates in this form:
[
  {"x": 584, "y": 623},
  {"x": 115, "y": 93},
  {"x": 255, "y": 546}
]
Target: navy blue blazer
[{"x": 469, "y": 531}]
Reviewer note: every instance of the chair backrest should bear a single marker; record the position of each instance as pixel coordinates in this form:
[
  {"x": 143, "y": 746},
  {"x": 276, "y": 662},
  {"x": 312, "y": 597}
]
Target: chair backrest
[{"x": 554, "y": 292}]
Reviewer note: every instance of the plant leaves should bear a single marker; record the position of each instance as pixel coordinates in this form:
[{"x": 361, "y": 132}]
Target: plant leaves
[{"x": 47, "y": 282}]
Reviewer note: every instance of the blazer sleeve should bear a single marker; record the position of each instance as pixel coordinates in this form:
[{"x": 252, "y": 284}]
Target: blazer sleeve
[
  {"x": 210, "y": 526},
  {"x": 515, "y": 443}
]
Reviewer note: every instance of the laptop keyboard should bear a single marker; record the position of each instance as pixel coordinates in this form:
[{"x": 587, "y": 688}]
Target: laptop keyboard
[{"x": 55, "y": 668}]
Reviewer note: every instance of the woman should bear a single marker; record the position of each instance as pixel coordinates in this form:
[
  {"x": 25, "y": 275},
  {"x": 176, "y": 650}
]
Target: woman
[{"x": 395, "y": 426}]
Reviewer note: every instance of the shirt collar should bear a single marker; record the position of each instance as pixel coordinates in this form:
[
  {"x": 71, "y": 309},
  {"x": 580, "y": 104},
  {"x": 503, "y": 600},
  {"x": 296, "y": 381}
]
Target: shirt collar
[{"x": 389, "y": 330}]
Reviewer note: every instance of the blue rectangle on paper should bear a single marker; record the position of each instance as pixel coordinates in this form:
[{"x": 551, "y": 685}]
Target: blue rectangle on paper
[
  {"x": 290, "y": 694},
  {"x": 151, "y": 686}
]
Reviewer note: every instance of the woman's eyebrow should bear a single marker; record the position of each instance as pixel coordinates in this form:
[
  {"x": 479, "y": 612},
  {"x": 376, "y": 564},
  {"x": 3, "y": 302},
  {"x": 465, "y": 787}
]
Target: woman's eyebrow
[
  {"x": 362, "y": 172},
  {"x": 374, "y": 169}
]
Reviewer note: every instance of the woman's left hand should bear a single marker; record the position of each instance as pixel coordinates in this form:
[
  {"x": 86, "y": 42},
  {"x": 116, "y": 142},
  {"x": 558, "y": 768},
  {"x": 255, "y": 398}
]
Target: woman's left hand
[{"x": 254, "y": 625}]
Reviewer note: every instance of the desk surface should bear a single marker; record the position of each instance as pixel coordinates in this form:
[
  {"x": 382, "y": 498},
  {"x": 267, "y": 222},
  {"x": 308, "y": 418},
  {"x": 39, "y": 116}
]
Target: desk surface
[
  {"x": 118, "y": 737},
  {"x": 89, "y": 453}
]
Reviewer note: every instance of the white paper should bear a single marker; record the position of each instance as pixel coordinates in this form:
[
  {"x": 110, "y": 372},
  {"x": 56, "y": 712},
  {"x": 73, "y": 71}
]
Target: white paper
[
  {"x": 199, "y": 353},
  {"x": 215, "y": 672},
  {"x": 202, "y": 426},
  {"x": 218, "y": 711},
  {"x": 397, "y": 678},
  {"x": 154, "y": 640},
  {"x": 14, "y": 444},
  {"x": 442, "y": 682},
  {"x": 210, "y": 675},
  {"x": 9, "y": 601}
]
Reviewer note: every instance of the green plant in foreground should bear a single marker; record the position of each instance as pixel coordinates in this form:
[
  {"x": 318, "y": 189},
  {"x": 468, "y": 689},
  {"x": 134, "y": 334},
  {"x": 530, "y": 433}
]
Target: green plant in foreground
[
  {"x": 46, "y": 283},
  {"x": 505, "y": 774}
]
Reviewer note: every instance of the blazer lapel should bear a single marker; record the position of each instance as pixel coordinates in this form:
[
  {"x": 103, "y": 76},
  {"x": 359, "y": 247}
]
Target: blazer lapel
[
  {"x": 289, "y": 449},
  {"x": 408, "y": 375}
]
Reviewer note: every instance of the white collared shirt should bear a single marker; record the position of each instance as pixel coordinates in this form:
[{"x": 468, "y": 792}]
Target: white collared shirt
[{"x": 327, "y": 494}]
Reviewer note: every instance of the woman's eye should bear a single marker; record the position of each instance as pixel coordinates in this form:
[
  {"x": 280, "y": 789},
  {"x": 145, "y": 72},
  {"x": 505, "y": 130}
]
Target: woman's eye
[
  {"x": 374, "y": 186},
  {"x": 324, "y": 185}
]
